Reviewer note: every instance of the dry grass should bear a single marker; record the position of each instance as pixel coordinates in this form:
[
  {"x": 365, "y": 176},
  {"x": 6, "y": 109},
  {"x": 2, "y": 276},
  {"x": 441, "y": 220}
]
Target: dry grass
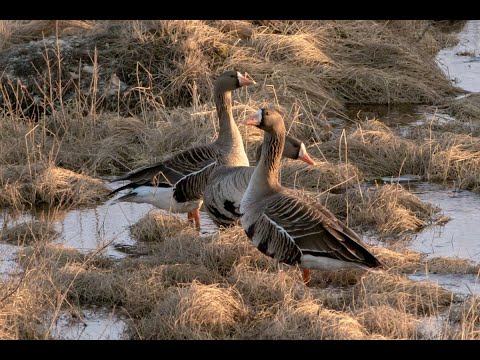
[
  {"x": 194, "y": 311},
  {"x": 376, "y": 150},
  {"x": 466, "y": 108},
  {"x": 389, "y": 322},
  {"x": 157, "y": 226},
  {"x": 223, "y": 288},
  {"x": 22, "y": 31},
  {"x": 323, "y": 176},
  {"x": 467, "y": 316},
  {"x": 389, "y": 209},
  {"x": 28, "y": 233},
  {"x": 44, "y": 183}
]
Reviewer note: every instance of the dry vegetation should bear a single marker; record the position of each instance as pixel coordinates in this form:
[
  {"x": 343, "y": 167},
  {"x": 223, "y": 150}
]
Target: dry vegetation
[{"x": 109, "y": 96}]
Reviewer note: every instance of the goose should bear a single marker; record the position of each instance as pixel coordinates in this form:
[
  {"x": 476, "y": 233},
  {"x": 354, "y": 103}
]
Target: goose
[
  {"x": 289, "y": 227},
  {"x": 227, "y": 184},
  {"x": 176, "y": 184}
]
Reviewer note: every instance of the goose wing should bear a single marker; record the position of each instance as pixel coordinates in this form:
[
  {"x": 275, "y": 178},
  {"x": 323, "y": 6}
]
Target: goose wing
[
  {"x": 172, "y": 170},
  {"x": 223, "y": 194},
  {"x": 295, "y": 226}
]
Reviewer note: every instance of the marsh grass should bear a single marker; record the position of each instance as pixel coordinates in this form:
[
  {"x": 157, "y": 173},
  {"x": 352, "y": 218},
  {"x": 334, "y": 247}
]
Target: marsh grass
[
  {"x": 27, "y": 233},
  {"x": 221, "y": 287}
]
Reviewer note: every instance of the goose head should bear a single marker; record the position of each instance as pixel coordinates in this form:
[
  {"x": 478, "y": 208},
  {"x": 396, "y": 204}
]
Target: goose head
[
  {"x": 295, "y": 149},
  {"x": 231, "y": 80}
]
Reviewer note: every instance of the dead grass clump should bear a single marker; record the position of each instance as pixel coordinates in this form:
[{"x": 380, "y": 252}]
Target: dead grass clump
[
  {"x": 389, "y": 322},
  {"x": 376, "y": 150},
  {"x": 421, "y": 297},
  {"x": 368, "y": 50},
  {"x": 93, "y": 279},
  {"x": 126, "y": 137},
  {"x": 458, "y": 164},
  {"x": 449, "y": 156},
  {"x": 195, "y": 311},
  {"x": 30, "y": 300},
  {"x": 170, "y": 274},
  {"x": 187, "y": 273},
  {"x": 466, "y": 108},
  {"x": 405, "y": 261},
  {"x": 58, "y": 256},
  {"x": 157, "y": 226},
  {"x": 324, "y": 176},
  {"x": 467, "y": 317},
  {"x": 230, "y": 247},
  {"x": 131, "y": 143},
  {"x": 48, "y": 184},
  {"x": 390, "y": 209},
  {"x": 262, "y": 290},
  {"x": 23, "y": 31},
  {"x": 22, "y": 309},
  {"x": 307, "y": 319},
  {"x": 451, "y": 265},
  {"x": 28, "y": 233}
]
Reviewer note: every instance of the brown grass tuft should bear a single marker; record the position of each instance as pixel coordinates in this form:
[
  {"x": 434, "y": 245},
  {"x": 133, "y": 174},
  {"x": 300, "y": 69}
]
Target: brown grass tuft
[
  {"x": 390, "y": 209},
  {"x": 467, "y": 316},
  {"x": 415, "y": 298},
  {"x": 323, "y": 176},
  {"x": 467, "y": 108},
  {"x": 28, "y": 233},
  {"x": 389, "y": 322},
  {"x": 47, "y": 184},
  {"x": 307, "y": 319},
  {"x": 195, "y": 311},
  {"x": 157, "y": 226}
]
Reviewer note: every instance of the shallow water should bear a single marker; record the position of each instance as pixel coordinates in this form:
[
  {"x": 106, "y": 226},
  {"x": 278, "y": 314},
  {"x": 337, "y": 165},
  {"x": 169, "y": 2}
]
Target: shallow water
[
  {"x": 458, "y": 237},
  {"x": 463, "y": 284},
  {"x": 90, "y": 324},
  {"x": 8, "y": 263},
  {"x": 461, "y": 63}
]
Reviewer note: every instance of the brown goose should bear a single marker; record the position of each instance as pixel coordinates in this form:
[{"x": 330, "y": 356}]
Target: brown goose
[
  {"x": 287, "y": 226},
  {"x": 227, "y": 184},
  {"x": 177, "y": 183}
]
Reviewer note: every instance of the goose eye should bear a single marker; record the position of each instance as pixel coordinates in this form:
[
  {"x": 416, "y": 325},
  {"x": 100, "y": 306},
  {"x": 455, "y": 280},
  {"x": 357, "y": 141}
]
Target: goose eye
[{"x": 267, "y": 113}]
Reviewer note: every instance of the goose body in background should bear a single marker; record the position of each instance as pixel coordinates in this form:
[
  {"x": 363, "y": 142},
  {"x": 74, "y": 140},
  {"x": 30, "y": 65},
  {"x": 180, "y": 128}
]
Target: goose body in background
[
  {"x": 227, "y": 184},
  {"x": 290, "y": 228},
  {"x": 176, "y": 184}
]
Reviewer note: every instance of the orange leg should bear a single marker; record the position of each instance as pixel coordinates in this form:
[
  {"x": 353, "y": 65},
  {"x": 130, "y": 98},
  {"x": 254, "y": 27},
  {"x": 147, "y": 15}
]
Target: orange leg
[
  {"x": 306, "y": 276},
  {"x": 190, "y": 217},
  {"x": 196, "y": 218}
]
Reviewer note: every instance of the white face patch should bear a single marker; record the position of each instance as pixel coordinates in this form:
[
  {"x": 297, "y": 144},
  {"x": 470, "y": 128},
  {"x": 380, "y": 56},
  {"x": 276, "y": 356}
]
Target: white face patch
[
  {"x": 258, "y": 116},
  {"x": 239, "y": 76},
  {"x": 302, "y": 151}
]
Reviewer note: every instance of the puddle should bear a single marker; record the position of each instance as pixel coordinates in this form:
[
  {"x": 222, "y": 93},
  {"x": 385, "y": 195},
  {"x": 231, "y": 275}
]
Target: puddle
[
  {"x": 89, "y": 324},
  {"x": 461, "y": 63},
  {"x": 392, "y": 115},
  {"x": 463, "y": 284},
  {"x": 8, "y": 264},
  {"x": 458, "y": 237},
  {"x": 89, "y": 228}
]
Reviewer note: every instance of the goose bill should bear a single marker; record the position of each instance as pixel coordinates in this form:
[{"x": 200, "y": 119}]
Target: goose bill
[
  {"x": 254, "y": 120},
  {"x": 243, "y": 80},
  {"x": 303, "y": 155}
]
